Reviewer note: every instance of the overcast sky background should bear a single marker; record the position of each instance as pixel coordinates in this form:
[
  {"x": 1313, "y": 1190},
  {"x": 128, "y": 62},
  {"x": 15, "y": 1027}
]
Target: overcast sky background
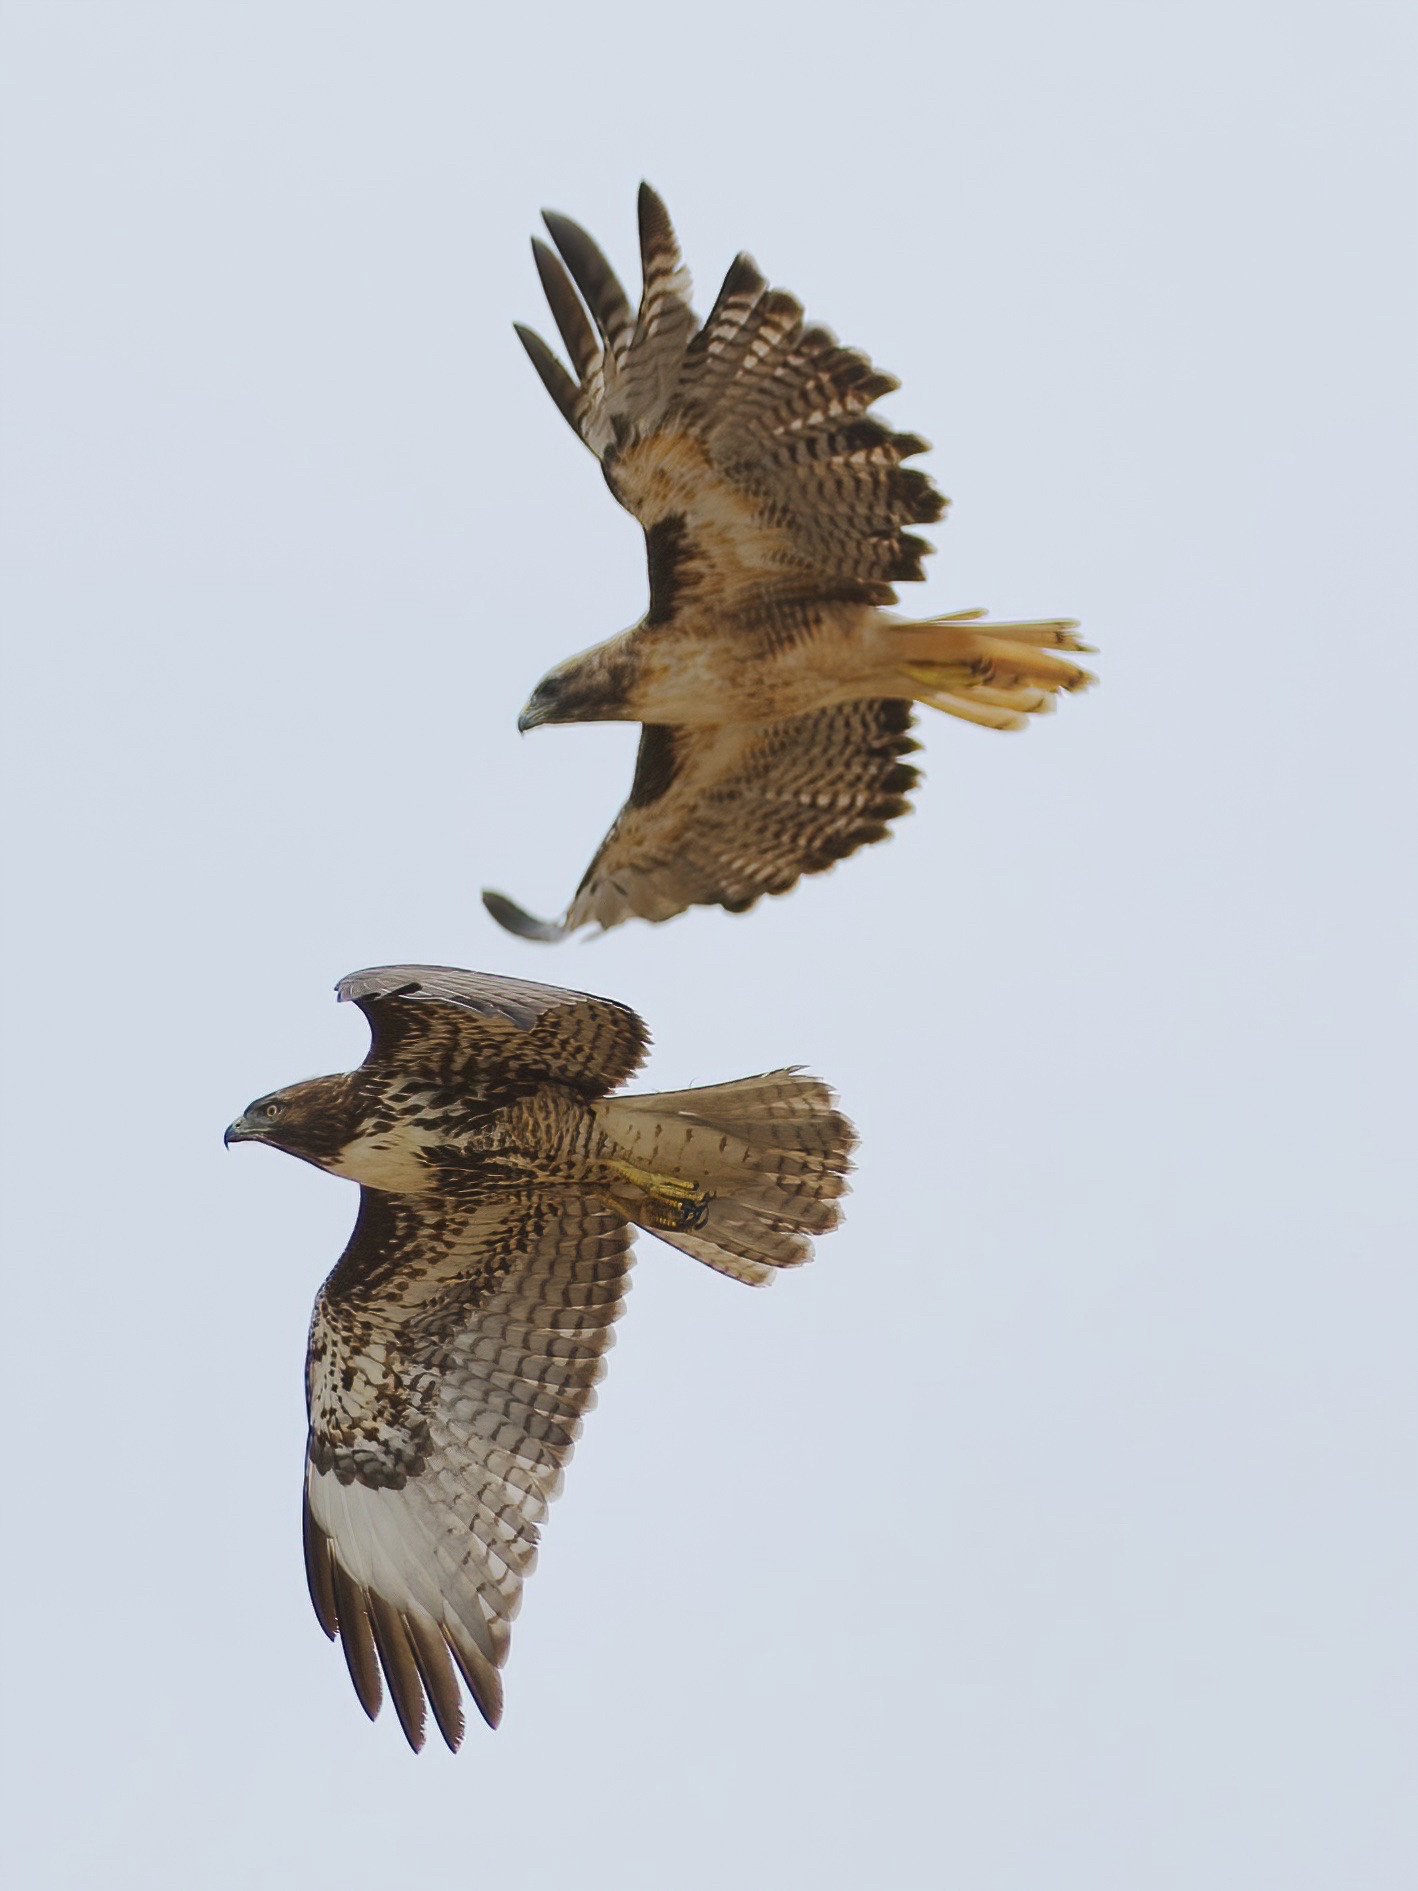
[{"x": 1056, "y": 1529}]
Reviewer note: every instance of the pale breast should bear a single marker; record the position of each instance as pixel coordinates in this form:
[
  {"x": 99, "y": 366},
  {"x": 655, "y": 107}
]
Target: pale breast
[
  {"x": 805, "y": 658},
  {"x": 392, "y": 1158}
]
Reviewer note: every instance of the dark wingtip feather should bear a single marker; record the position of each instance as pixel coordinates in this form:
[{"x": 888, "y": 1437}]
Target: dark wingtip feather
[
  {"x": 744, "y": 278},
  {"x": 874, "y": 384},
  {"x": 653, "y": 218},
  {"x": 557, "y": 382},
  {"x": 660, "y": 257},
  {"x": 571, "y": 319},
  {"x": 435, "y": 1668},
  {"x": 917, "y": 496},
  {"x": 484, "y": 1682},
  {"x": 400, "y": 1669},
  {"x": 514, "y": 918},
  {"x": 592, "y": 275},
  {"x": 357, "y": 1640},
  {"x": 317, "y": 1561},
  {"x": 780, "y": 305}
]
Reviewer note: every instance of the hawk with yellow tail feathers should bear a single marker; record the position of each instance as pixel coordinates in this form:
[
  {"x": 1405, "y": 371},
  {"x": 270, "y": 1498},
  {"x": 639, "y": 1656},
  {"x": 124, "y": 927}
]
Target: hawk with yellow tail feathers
[{"x": 774, "y": 683}]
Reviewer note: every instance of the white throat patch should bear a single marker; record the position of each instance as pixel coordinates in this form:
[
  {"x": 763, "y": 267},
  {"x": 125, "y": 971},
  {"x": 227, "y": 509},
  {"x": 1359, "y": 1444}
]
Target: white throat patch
[{"x": 389, "y": 1158}]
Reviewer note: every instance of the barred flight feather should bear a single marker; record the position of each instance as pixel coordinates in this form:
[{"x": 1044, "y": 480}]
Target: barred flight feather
[{"x": 726, "y": 815}]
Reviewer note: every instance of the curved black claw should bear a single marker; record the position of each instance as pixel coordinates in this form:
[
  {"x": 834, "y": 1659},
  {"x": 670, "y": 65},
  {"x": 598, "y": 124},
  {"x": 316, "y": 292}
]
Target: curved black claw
[{"x": 693, "y": 1215}]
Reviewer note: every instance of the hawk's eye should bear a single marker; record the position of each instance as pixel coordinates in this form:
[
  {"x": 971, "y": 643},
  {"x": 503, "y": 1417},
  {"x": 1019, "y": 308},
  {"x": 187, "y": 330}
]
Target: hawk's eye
[{"x": 273, "y": 1109}]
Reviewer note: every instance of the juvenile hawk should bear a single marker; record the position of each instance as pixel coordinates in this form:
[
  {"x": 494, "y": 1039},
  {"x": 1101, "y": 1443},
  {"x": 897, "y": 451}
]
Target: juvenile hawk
[
  {"x": 774, "y": 686},
  {"x": 456, "y": 1345}
]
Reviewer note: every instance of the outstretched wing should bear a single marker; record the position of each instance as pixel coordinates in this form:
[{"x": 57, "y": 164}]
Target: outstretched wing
[
  {"x": 721, "y": 816},
  {"x": 453, "y": 1352},
  {"x": 744, "y": 447},
  {"x": 440, "y": 1019}
]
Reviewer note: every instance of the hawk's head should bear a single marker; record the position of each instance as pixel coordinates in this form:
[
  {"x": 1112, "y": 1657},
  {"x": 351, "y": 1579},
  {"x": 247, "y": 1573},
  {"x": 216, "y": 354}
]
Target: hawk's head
[
  {"x": 312, "y": 1120},
  {"x": 594, "y": 687}
]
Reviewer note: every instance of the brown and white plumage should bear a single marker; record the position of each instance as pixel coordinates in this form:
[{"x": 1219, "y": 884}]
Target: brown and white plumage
[
  {"x": 726, "y": 814},
  {"x": 774, "y": 683},
  {"x": 456, "y": 1345}
]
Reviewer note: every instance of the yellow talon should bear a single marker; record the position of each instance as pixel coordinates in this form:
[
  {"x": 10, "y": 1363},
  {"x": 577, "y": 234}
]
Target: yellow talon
[{"x": 672, "y": 1201}]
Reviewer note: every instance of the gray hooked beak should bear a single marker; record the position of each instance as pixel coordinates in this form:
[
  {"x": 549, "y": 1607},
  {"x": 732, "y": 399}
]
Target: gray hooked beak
[
  {"x": 239, "y": 1131},
  {"x": 531, "y": 717}
]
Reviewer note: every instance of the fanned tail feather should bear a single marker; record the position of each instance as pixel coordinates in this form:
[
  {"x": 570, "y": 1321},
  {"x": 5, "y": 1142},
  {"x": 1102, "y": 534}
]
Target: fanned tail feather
[
  {"x": 769, "y": 1153},
  {"x": 994, "y": 674}
]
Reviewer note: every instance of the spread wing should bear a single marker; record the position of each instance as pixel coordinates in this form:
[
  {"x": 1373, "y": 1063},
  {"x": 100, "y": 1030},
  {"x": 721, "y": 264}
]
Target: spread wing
[
  {"x": 436, "y": 1018},
  {"x": 453, "y": 1352},
  {"x": 721, "y": 816},
  {"x": 744, "y": 447}
]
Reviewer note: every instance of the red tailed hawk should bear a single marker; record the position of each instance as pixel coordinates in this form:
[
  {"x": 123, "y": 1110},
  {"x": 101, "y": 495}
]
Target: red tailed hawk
[
  {"x": 456, "y": 1345},
  {"x": 774, "y": 684}
]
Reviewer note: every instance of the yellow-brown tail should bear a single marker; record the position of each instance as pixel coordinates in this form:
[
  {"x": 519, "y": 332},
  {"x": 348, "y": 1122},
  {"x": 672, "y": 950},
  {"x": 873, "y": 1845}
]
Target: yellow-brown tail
[{"x": 997, "y": 675}]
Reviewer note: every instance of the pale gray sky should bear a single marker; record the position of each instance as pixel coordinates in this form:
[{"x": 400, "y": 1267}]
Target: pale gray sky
[{"x": 1056, "y": 1530}]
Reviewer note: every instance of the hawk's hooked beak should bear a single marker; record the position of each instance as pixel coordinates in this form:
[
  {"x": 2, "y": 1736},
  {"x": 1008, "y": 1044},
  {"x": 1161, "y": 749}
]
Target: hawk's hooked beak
[
  {"x": 239, "y": 1131},
  {"x": 544, "y": 704}
]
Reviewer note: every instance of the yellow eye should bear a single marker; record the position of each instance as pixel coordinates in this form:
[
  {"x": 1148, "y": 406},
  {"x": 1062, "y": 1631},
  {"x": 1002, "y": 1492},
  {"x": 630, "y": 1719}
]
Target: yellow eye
[{"x": 273, "y": 1109}]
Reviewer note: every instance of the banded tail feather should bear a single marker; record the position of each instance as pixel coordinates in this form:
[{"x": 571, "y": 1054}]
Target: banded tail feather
[{"x": 768, "y": 1157}]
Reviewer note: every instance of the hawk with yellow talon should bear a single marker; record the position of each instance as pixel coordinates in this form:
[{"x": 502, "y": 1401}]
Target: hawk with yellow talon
[
  {"x": 457, "y": 1343},
  {"x": 775, "y": 686}
]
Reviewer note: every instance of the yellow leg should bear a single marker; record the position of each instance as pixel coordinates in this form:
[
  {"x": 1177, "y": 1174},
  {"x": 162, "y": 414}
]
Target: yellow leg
[{"x": 669, "y": 1201}]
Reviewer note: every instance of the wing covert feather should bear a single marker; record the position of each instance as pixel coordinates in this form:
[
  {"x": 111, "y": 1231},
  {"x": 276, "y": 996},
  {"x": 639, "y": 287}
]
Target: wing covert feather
[{"x": 439, "y": 1018}]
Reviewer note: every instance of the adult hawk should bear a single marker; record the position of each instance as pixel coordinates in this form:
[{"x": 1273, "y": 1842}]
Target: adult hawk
[
  {"x": 456, "y": 1345},
  {"x": 774, "y": 685}
]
